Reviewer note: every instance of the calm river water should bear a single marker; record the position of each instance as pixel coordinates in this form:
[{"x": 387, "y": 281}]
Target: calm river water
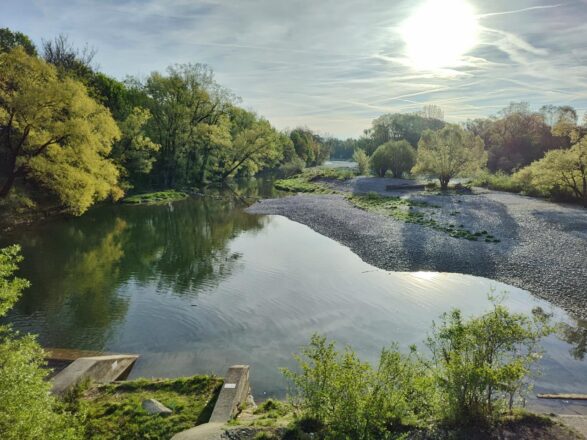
[{"x": 199, "y": 285}]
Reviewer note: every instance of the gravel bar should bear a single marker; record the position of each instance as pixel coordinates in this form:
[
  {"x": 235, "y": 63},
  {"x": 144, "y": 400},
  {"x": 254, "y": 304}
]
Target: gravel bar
[{"x": 543, "y": 247}]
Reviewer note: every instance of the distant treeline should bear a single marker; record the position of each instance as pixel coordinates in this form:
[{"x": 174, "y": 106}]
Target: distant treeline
[
  {"x": 71, "y": 135},
  {"x": 541, "y": 152}
]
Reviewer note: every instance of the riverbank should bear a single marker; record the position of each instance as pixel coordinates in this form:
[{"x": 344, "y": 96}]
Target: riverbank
[{"x": 542, "y": 245}]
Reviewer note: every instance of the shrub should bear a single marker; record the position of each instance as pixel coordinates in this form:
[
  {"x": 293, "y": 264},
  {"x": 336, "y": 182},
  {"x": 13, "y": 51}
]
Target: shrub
[
  {"x": 352, "y": 399},
  {"x": 293, "y": 167},
  {"x": 362, "y": 161},
  {"x": 482, "y": 365},
  {"x": 395, "y": 156},
  {"x": 479, "y": 368}
]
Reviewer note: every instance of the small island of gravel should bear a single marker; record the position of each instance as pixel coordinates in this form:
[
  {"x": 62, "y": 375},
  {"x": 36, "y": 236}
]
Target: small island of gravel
[{"x": 542, "y": 245}]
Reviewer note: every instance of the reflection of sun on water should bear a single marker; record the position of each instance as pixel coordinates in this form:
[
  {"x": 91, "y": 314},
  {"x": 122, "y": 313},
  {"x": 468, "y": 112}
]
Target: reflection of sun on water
[
  {"x": 427, "y": 276},
  {"x": 439, "y": 33}
]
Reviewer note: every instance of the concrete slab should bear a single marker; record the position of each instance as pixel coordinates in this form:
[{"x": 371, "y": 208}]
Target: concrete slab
[
  {"x": 234, "y": 393},
  {"x": 99, "y": 369},
  {"x": 208, "y": 431}
]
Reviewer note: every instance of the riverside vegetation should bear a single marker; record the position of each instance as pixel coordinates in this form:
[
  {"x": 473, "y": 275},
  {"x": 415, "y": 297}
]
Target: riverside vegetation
[
  {"x": 71, "y": 136},
  {"x": 477, "y": 373}
]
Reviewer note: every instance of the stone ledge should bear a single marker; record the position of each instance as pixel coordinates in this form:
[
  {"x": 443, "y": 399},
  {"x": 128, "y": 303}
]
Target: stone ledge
[{"x": 99, "y": 369}]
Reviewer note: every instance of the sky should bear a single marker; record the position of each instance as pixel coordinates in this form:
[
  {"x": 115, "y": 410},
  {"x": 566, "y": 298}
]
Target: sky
[{"x": 335, "y": 65}]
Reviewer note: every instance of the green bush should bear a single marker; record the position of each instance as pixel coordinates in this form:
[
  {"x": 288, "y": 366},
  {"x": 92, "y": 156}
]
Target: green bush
[
  {"x": 352, "y": 399},
  {"x": 362, "y": 161},
  {"x": 293, "y": 167},
  {"x": 500, "y": 181},
  {"x": 396, "y": 156},
  {"x": 482, "y": 365},
  {"x": 478, "y": 370}
]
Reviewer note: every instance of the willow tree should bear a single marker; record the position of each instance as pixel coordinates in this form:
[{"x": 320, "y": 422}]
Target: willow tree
[
  {"x": 448, "y": 153},
  {"x": 53, "y": 134}
]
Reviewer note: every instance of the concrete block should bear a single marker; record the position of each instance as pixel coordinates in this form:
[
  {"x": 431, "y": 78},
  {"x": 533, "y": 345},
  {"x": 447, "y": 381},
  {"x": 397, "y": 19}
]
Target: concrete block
[
  {"x": 234, "y": 393},
  {"x": 99, "y": 369}
]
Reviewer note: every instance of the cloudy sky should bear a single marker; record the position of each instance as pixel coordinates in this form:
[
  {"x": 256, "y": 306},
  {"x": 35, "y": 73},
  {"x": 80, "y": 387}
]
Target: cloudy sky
[{"x": 334, "y": 65}]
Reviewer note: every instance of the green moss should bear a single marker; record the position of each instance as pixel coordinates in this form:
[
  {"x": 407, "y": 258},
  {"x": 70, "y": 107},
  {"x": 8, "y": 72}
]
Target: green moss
[
  {"x": 410, "y": 211},
  {"x": 155, "y": 197},
  {"x": 115, "y": 412}
]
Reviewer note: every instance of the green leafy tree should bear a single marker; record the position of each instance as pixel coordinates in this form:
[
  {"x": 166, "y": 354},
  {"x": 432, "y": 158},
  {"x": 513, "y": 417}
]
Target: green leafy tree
[
  {"x": 27, "y": 409},
  {"x": 448, "y": 153},
  {"x": 11, "y": 39},
  {"x": 396, "y": 156},
  {"x": 252, "y": 148},
  {"x": 179, "y": 102},
  {"x": 53, "y": 134},
  {"x": 397, "y": 126},
  {"x": 560, "y": 171},
  {"x": 362, "y": 160},
  {"x": 135, "y": 152},
  {"x": 309, "y": 146}
]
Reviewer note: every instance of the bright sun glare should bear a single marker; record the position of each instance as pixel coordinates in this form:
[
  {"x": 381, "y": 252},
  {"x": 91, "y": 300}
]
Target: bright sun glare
[{"x": 439, "y": 33}]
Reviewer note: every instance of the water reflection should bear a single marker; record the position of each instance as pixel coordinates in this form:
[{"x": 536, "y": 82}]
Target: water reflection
[{"x": 200, "y": 284}]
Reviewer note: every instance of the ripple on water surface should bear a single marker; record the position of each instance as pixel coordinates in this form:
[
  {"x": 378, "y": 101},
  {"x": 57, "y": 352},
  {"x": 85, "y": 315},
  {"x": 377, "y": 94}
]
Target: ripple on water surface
[{"x": 197, "y": 297}]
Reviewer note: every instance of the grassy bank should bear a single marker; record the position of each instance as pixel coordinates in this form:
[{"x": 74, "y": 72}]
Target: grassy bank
[
  {"x": 155, "y": 197},
  {"x": 521, "y": 425},
  {"x": 114, "y": 411},
  {"x": 312, "y": 180}
]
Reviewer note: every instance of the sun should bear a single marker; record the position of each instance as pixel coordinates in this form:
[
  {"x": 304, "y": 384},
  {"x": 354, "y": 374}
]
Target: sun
[{"x": 439, "y": 33}]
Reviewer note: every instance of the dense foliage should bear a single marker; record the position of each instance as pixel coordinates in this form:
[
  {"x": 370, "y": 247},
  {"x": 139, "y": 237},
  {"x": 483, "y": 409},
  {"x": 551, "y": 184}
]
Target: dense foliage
[
  {"x": 53, "y": 134},
  {"x": 478, "y": 369},
  {"x": 71, "y": 136},
  {"x": 398, "y": 157}
]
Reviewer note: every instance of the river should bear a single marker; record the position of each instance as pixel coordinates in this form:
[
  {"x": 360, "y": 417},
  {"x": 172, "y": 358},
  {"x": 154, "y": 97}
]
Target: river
[{"x": 198, "y": 285}]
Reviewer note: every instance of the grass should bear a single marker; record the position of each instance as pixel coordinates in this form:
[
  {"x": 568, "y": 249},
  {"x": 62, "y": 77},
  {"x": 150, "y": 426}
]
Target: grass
[
  {"x": 114, "y": 411},
  {"x": 308, "y": 181},
  {"x": 499, "y": 181},
  {"x": 155, "y": 197},
  {"x": 406, "y": 210}
]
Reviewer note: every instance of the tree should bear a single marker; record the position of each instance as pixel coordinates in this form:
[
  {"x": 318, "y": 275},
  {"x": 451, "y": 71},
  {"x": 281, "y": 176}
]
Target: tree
[
  {"x": 397, "y": 126},
  {"x": 27, "y": 409},
  {"x": 448, "y": 153},
  {"x": 179, "y": 102},
  {"x": 432, "y": 111},
  {"x": 309, "y": 146},
  {"x": 362, "y": 161},
  {"x": 517, "y": 136},
  {"x": 251, "y": 148},
  {"x": 396, "y": 156},
  {"x": 53, "y": 134},
  {"x": 67, "y": 58},
  {"x": 11, "y": 39},
  {"x": 135, "y": 152},
  {"x": 560, "y": 170}
]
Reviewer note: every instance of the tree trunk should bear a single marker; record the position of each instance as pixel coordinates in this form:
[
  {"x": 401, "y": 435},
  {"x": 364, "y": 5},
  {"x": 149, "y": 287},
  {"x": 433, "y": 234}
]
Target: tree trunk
[
  {"x": 585, "y": 191},
  {"x": 11, "y": 177},
  {"x": 444, "y": 183}
]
